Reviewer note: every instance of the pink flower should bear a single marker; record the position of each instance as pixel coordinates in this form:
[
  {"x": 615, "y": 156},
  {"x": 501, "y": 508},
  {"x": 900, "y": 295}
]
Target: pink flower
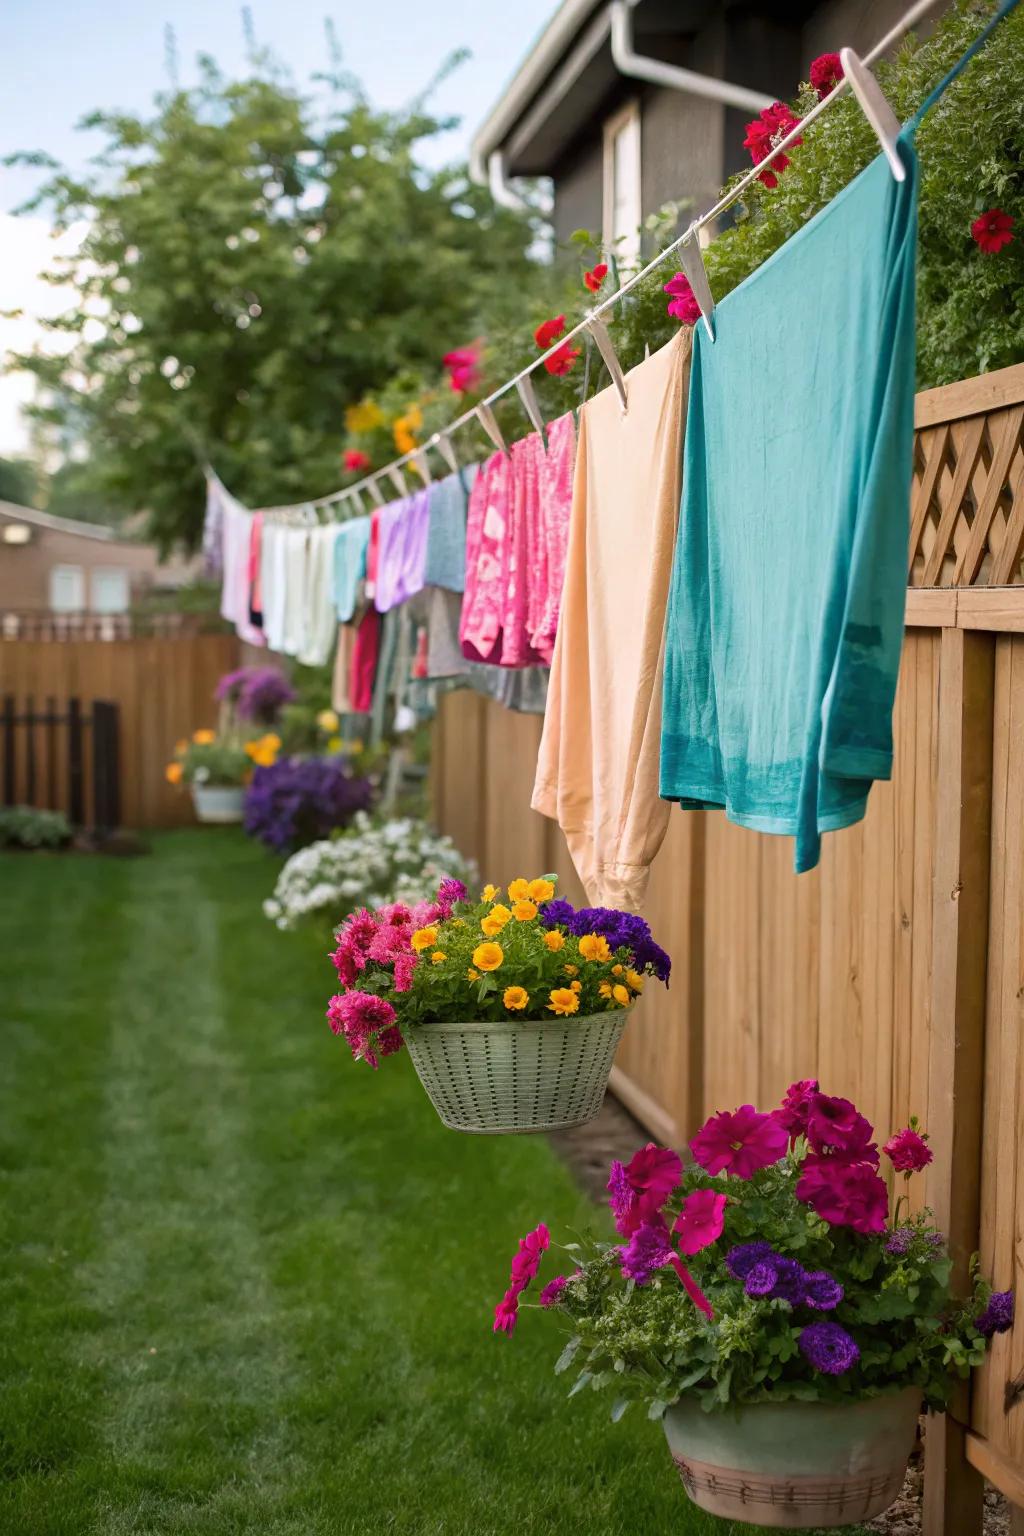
[
  {"x": 595, "y": 277},
  {"x": 683, "y": 306},
  {"x": 739, "y": 1142},
  {"x": 907, "y": 1151},
  {"x": 826, "y": 72},
  {"x": 405, "y": 966},
  {"x": 506, "y": 1313},
  {"x": 549, "y": 331},
  {"x": 844, "y": 1194},
  {"x": 526, "y": 1262},
  {"x": 835, "y": 1127},
  {"x": 562, "y": 361},
  {"x": 793, "y": 1112},
  {"x": 768, "y": 129},
  {"x": 700, "y": 1222},
  {"x": 551, "y": 1292},
  {"x": 692, "y": 1289},
  {"x": 992, "y": 231},
  {"x": 355, "y": 459},
  {"x": 463, "y": 365},
  {"x": 639, "y": 1190},
  {"x": 361, "y": 1017}
]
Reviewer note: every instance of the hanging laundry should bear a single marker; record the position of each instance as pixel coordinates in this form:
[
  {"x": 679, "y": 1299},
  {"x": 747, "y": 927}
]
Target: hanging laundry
[
  {"x": 320, "y": 619},
  {"x": 548, "y": 571},
  {"x": 524, "y": 560},
  {"x": 522, "y": 689},
  {"x": 402, "y": 549},
  {"x": 273, "y": 581},
  {"x": 786, "y": 611},
  {"x": 486, "y": 531},
  {"x": 349, "y": 565},
  {"x": 445, "y": 564},
  {"x": 236, "y": 525},
  {"x": 597, "y": 771},
  {"x": 255, "y": 559},
  {"x": 296, "y": 553},
  {"x": 213, "y": 527}
]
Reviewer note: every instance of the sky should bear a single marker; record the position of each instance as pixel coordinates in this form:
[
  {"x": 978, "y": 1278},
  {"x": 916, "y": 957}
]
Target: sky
[{"x": 64, "y": 58}]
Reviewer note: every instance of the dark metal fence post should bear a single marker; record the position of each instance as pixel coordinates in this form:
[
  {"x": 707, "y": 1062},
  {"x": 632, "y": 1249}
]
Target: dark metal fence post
[
  {"x": 30, "y": 751},
  {"x": 9, "y": 758},
  {"x": 76, "y": 790},
  {"x": 51, "y": 720},
  {"x": 105, "y": 775}
]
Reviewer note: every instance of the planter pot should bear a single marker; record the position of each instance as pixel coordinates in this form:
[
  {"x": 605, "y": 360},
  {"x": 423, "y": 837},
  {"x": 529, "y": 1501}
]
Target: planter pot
[
  {"x": 502, "y": 1078},
  {"x": 795, "y": 1466},
  {"x": 218, "y": 802}
]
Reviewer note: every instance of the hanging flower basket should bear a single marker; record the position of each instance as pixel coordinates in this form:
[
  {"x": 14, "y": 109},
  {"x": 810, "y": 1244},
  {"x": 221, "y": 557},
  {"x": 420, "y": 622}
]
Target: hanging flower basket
[
  {"x": 498, "y": 1077},
  {"x": 218, "y": 802},
  {"x": 795, "y": 1466},
  {"x": 511, "y": 1012}
]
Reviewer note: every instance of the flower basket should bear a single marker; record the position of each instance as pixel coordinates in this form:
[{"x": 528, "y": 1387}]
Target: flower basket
[
  {"x": 502, "y": 1077},
  {"x": 218, "y": 803},
  {"x": 795, "y": 1466}
]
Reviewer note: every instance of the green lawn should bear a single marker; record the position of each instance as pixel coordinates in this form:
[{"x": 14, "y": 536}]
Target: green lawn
[{"x": 245, "y": 1284}]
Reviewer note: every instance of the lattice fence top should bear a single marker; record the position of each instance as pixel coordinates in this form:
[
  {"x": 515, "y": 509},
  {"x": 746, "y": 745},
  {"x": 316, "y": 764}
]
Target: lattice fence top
[{"x": 967, "y": 499}]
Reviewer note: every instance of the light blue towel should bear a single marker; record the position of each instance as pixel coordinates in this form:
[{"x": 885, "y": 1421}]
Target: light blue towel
[
  {"x": 349, "y": 564},
  {"x": 446, "y": 534}
]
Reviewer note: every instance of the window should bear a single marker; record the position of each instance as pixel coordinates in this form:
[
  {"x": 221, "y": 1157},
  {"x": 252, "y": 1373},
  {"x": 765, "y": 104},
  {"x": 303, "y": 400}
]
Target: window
[
  {"x": 109, "y": 590},
  {"x": 622, "y": 201},
  {"x": 67, "y": 589}
]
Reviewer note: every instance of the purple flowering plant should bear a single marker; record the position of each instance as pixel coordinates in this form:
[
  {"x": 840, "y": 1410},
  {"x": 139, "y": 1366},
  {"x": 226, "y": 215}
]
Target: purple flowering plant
[
  {"x": 296, "y": 801},
  {"x": 255, "y": 695},
  {"x": 774, "y": 1265}
]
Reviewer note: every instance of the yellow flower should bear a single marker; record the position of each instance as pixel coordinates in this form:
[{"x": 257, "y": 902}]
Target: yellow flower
[
  {"x": 438, "y": 957},
  {"x": 271, "y": 742},
  {"x": 490, "y": 891},
  {"x": 495, "y": 920},
  {"x": 570, "y": 970},
  {"x": 563, "y": 1000},
  {"x": 621, "y": 995},
  {"x": 363, "y": 417},
  {"x": 334, "y": 744},
  {"x": 635, "y": 980},
  {"x": 251, "y": 748},
  {"x": 458, "y": 922},
  {"x": 355, "y": 746},
  {"x": 328, "y": 722},
  {"x": 524, "y": 911},
  {"x": 423, "y": 938},
  {"x": 405, "y": 429},
  {"x": 203, "y": 738},
  {"x": 618, "y": 970},
  {"x": 554, "y": 941},
  {"x": 576, "y": 986},
  {"x": 181, "y": 747},
  {"x": 541, "y": 890},
  {"x": 472, "y": 975},
  {"x": 605, "y": 989},
  {"x": 173, "y": 773},
  {"x": 515, "y": 998},
  {"x": 594, "y": 946},
  {"x": 519, "y": 890},
  {"x": 488, "y": 957}
]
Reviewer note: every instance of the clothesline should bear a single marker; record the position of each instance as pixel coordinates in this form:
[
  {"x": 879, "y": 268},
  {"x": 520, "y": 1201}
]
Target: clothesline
[{"x": 370, "y": 482}]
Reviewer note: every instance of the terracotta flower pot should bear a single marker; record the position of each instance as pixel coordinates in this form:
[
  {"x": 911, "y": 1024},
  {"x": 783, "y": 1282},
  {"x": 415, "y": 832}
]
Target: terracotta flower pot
[
  {"x": 218, "y": 802},
  {"x": 795, "y": 1466}
]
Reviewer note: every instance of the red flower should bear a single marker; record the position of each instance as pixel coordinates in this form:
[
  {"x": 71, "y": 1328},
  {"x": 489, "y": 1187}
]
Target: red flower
[
  {"x": 767, "y": 129},
  {"x": 682, "y": 305},
  {"x": 549, "y": 331},
  {"x": 826, "y": 72},
  {"x": 561, "y": 362},
  {"x": 907, "y": 1151},
  {"x": 596, "y": 276},
  {"x": 844, "y": 1194},
  {"x": 739, "y": 1142},
  {"x": 463, "y": 365},
  {"x": 992, "y": 231},
  {"x": 836, "y": 1129},
  {"x": 355, "y": 459}
]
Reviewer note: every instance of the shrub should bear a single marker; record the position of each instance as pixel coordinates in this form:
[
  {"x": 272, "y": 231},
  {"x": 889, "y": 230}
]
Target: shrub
[
  {"x": 296, "y": 801},
  {"x": 22, "y": 826}
]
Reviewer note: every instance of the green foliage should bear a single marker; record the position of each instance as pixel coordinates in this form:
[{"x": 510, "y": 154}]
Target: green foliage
[
  {"x": 215, "y": 763},
  {"x": 22, "y": 826},
  {"x": 256, "y": 261},
  {"x": 18, "y": 482}
]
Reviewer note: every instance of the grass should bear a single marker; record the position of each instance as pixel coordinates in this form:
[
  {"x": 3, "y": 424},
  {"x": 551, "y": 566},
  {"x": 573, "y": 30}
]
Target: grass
[{"x": 246, "y": 1285}]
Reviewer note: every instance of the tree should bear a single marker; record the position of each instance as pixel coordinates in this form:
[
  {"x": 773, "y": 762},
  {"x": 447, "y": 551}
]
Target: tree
[
  {"x": 18, "y": 482},
  {"x": 257, "y": 260}
]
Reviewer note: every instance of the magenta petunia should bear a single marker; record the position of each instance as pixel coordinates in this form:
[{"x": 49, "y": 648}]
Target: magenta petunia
[
  {"x": 908, "y": 1151},
  {"x": 364, "y": 1019},
  {"x": 683, "y": 304},
  {"x": 835, "y": 1126},
  {"x": 844, "y": 1194},
  {"x": 526, "y": 1262},
  {"x": 792, "y": 1113},
  {"x": 551, "y": 1292},
  {"x": 638, "y": 1190},
  {"x": 648, "y": 1250},
  {"x": 700, "y": 1222},
  {"x": 691, "y": 1288},
  {"x": 739, "y": 1141},
  {"x": 506, "y": 1313}
]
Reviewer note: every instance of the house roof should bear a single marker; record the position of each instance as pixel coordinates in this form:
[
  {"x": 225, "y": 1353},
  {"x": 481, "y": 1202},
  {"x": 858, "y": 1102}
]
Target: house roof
[{"x": 18, "y": 514}]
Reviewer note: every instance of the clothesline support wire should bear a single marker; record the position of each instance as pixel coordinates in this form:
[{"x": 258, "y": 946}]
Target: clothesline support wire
[{"x": 908, "y": 20}]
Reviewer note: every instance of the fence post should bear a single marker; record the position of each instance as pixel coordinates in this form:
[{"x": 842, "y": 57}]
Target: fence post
[
  {"x": 8, "y": 756},
  {"x": 76, "y": 789},
  {"x": 953, "y": 1504},
  {"x": 51, "y": 720},
  {"x": 29, "y": 721}
]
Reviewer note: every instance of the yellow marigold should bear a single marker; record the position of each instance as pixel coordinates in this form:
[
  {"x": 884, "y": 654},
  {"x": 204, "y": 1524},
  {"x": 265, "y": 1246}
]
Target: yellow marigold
[
  {"x": 524, "y": 911},
  {"x": 570, "y": 970},
  {"x": 554, "y": 940},
  {"x": 519, "y": 890},
  {"x": 423, "y": 938},
  {"x": 363, "y": 417},
  {"x": 173, "y": 773},
  {"x": 541, "y": 890},
  {"x": 594, "y": 946},
  {"x": 635, "y": 980},
  {"x": 271, "y": 741},
  {"x": 576, "y": 986},
  {"x": 203, "y": 738},
  {"x": 515, "y": 998},
  {"x": 490, "y": 891},
  {"x": 495, "y": 920},
  {"x": 472, "y": 975},
  {"x": 618, "y": 970},
  {"x": 328, "y": 722},
  {"x": 405, "y": 429},
  {"x": 621, "y": 995},
  {"x": 488, "y": 957},
  {"x": 563, "y": 1000},
  {"x": 334, "y": 743},
  {"x": 438, "y": 957},
  {"x": 605, "y": 989}
]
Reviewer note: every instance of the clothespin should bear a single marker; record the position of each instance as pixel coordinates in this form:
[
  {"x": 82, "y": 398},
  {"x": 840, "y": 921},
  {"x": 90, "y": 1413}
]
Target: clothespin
[
  {"x": 488, "y": 421},
  {"x": 691, "y": 259},
  {"x": 599, "y": 331},
  {"x": 528, "y": 397},
  {"x": 422, "y": 464},
  {"x": 875, "y": 108},
  {"x": 443, "y": 443},
  {"x": 375, "y": 492},
  {"x": 398, "y": 480}
]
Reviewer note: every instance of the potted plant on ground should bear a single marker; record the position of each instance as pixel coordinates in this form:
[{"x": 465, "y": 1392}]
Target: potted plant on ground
[
  {"x": 768, "y": 1310},
  {"x": 511, "y": 1010},
  {"x": 217, "y": 769}
]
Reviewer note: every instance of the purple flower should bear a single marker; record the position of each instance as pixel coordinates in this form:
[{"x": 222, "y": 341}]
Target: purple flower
[
  {"x": 551, "y": 1292},
  {"x": 556, "y": 913},
  {"x": 258, "y": 693},
  {"x": 822, "y": 1291},
  {"x": 997, "y": 1316},
  {"x": 295, "y": 801},
  {"x": 740, "y": 1260},
  {"x": 648, "y": 1250},
  {"x": 623, "y": 930},
  {"x": 448, "y": 893},
  {"x": 761, "y": 1278},
  {"x": 901, "y": 1241},
  {"x": 791, "y": 1282},
  {"x": 828, "y": 1348}
]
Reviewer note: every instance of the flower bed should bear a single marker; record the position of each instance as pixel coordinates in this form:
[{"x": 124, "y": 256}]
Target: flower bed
[{"x": 296, "y": 801}]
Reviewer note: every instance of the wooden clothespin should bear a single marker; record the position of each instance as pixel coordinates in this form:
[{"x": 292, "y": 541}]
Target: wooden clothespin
[
  {"x": 528, "y": 398},
  {"x": 599, "y": 331},
  {"x": 875, "y": 108},
  {"x": 443, "y": 443},
  {"x": 398, "y": 480},
  {"x": 488, "y": 421},
  {"x": 691, "y": 259}
]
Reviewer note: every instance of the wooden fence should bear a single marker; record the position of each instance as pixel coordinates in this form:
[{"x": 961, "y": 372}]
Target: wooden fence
[
  {"x": 163, "y": 688},
  {"x": 895, "y": 971}
]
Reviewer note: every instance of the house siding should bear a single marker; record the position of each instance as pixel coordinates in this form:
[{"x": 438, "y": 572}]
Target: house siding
[{"x": 25, "y": 568}]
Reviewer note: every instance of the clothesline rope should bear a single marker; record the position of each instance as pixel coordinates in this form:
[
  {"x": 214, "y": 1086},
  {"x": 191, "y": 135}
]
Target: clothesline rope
[{"x": 895, "y": 33}]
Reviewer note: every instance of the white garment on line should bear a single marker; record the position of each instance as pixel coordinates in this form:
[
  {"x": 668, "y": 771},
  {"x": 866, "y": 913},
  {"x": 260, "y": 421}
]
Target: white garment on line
[
  {"x": 273, "y": 582},
  {"x": 319, "y": 617},
  {"x": 236, "y": 531}
]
